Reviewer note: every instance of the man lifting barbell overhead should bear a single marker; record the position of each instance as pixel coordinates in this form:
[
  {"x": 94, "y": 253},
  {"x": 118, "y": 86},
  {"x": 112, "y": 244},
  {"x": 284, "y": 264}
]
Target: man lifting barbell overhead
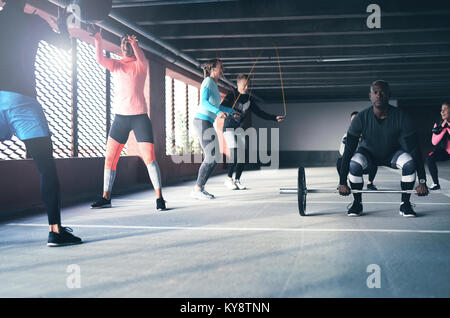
[
  {"x": 21, "y": 114},
  {"x": 389, "y": 139}
]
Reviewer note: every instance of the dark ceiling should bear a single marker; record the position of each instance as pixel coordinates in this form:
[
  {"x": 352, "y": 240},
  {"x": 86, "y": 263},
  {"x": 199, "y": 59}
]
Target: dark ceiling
[{"x": 325, "y": 48}]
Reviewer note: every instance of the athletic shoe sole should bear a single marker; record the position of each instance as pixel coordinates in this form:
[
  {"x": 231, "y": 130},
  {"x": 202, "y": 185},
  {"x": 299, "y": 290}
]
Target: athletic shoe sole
[
  {"x": 201, "y": 198},
  {"x": 354, "y": 214},
  {"x": 102, "y": 207},
  {"x": 62, "y": 244},
  {"x": 407, "y": 215}
]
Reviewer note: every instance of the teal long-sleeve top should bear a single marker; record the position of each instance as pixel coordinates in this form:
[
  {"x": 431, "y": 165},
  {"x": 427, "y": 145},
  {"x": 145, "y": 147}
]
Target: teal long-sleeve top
[{"x": 210, "y": 100}]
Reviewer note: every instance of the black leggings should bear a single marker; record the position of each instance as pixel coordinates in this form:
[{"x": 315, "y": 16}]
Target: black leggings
[
  {"x": 235, "y": 165},
  {"x": 41, "y": 150},
  {"x": 439, "y": 155}
]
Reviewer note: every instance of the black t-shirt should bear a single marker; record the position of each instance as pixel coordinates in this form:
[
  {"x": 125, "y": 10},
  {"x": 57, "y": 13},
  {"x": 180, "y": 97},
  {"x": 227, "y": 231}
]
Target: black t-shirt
[
  {"x": 384, "y": 137},
  {"x": 20, "y": 34},
  {"x": 243, "y": 106}
]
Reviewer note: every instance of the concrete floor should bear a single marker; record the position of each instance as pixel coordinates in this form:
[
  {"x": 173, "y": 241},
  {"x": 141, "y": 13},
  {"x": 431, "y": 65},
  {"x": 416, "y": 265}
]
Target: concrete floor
[{"x": 249, "y": 243}]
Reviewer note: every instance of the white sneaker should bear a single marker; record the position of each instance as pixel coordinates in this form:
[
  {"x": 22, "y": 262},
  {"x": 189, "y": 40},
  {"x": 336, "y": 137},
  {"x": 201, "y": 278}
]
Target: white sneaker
[
  {"x": 229, "y": 183},
  {"x": 201, "y": 195},
  {"x": 239, "y": 185},
  {"x": 434, "y": 186}
]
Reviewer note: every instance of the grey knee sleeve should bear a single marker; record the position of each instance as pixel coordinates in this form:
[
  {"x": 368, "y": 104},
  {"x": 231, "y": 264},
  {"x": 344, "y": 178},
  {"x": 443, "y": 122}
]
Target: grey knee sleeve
[
  {"x": 406, "y": 163},
  {"x": 409, "y": 172},
  {"x": 155, "y": 174},
  {"x": 108, "y": 180},
  {"x": 357, "y": 165}
]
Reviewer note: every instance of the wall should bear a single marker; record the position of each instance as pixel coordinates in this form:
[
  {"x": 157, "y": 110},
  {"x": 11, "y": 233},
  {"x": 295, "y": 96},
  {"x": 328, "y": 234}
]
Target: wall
[
  {"x": 81, "y": 179},
  {"x": 311, "y": 133},
  {"x": 424, "y": 113}
]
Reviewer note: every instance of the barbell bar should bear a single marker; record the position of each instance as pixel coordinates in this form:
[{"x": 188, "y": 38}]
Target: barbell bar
[{"x": 302, "y": 191}]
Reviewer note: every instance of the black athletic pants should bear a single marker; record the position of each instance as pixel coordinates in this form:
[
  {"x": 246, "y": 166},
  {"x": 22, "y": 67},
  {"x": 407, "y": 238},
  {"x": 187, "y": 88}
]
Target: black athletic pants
[
  {"x": 440, "y": 155},
  {"x": 41, "y": 150}
]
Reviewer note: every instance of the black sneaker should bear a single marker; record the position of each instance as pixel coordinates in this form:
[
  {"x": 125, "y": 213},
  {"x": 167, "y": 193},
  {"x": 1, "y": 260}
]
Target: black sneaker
[
  {"x": 406, "y": 210},
  {"x": 101, "y": 203},
  {"x": 63, "y": 238},
  {"x": 371, "y": 186},
  {"x": 435, "y": 187},
  {"x": 160, "y": 204},
  {"x": 356, "y": 209}
]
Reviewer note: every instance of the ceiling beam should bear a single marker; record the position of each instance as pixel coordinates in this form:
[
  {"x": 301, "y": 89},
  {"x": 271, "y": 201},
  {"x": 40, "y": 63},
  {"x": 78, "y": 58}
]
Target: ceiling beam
[
  {"x": 321, "y": 65},
  {"x": 257, "y": 80},
  {"x": 301, "y": 34},
  {"x": 140, "y": 4},
  {"x": 322, "y": 46},
  {"x": 349, "y": 58},
  {"x": 283, "y": 18},
  {"x": 418, "y": 71},
  {"x": 434, "y": 84}
]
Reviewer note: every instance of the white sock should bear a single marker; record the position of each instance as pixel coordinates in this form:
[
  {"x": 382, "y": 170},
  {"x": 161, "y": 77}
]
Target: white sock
[
  {"x": 155, "y": 174},
  {"x": 108, "y": 180}
]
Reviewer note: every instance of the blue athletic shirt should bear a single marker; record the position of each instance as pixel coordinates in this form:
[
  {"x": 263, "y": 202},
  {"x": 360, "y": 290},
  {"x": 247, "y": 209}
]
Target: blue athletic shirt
[{"x": 210, "y": 100}]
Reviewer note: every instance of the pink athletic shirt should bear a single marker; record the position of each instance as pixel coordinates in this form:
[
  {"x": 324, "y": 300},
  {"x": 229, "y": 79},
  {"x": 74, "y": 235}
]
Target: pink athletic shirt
[
  {"x": 435, "y": 139},
  {"x": 129, "y": 74}
]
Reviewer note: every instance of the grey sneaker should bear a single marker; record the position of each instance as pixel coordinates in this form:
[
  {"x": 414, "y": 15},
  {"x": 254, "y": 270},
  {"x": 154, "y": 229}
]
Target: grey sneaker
[
  {"x": 435, "y": 187},
  {"x": 201, "y": 195}
]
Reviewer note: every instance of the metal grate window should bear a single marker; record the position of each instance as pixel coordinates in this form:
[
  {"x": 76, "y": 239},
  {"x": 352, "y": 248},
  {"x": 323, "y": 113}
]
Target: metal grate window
[
  {"x": 182, "y": 101},
  {"x": 53, "y": 86},
  {"x": 54, "y": 90},
  {"x": 193, "y": 102},
  {"x": 91, "y": 103},
  {"x": 12, "y": 149},
  {"x": 170, "y": 120}
]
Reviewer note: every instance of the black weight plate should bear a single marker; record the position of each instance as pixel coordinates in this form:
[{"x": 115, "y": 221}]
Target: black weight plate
[{"x": 301, "y": 193}]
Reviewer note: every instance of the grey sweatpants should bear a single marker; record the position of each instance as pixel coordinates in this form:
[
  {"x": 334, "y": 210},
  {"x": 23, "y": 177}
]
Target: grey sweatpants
[{"x": 210, "y": 145}]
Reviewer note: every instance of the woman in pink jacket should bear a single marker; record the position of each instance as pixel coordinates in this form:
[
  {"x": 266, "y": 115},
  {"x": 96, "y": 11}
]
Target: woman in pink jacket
[{"x": 441, "y": 141}]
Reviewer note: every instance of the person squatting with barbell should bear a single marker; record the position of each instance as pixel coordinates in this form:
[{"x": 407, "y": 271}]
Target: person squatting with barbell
[{"x": 388, "y": 139}]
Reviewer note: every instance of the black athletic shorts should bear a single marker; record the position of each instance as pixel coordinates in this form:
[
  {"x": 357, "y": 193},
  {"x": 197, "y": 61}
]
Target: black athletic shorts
[{"x": 139, "y": 124}]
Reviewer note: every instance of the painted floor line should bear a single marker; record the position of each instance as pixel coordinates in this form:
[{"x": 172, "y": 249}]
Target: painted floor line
[
  {"x": 244, "y": 229},
  {"x": 275, "y": 201}
]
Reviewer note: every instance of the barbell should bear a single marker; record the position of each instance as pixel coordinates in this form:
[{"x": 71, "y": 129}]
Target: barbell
[{"x": 302, "y": 191}]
